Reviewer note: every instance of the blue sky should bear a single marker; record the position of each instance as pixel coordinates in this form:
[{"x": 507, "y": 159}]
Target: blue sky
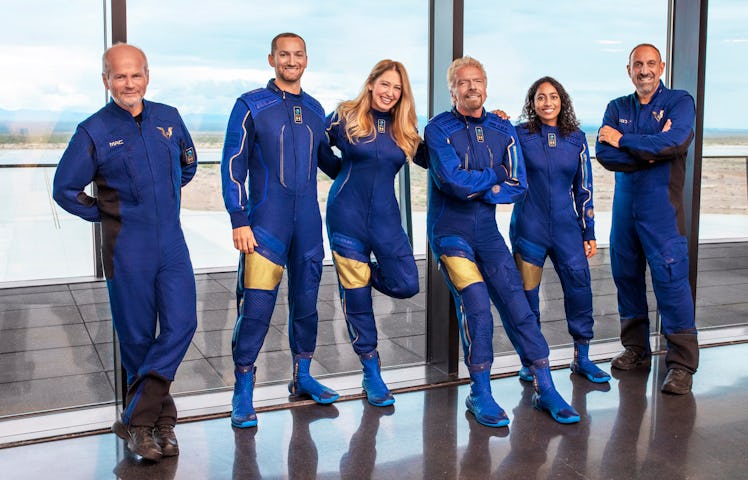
[{"x": 204, "y": 54}]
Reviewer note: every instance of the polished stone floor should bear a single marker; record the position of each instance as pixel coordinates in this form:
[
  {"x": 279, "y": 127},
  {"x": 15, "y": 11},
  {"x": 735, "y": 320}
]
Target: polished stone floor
[
  {"x": 629, "y": 430},
  {"x": 56, "y": 340}
]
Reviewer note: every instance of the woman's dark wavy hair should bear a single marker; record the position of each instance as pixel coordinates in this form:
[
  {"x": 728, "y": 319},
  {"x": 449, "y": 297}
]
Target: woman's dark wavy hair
[{"x": 567, "y": 119}]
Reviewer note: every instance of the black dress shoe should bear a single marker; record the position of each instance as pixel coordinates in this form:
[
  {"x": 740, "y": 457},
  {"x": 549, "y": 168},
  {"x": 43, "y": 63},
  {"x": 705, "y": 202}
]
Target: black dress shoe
[
  {"x": 167, "y": 440},
  {"x": 629, "y": 359},
  {"x": 677, "y": 381},
  {"x": 140, "y": 440},
  {"x": 120, "y": 429}
]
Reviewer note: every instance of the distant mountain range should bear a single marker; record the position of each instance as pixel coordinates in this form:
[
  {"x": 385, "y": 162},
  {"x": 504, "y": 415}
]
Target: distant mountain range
[
  {"x": 38, "y": 121},
  {"x": 29, "y": 122}
]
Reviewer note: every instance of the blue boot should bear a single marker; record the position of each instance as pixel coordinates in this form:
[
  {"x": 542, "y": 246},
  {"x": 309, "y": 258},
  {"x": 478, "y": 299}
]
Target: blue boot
[
  {"x": 582, "y": 365},
  {"x": 377, "y": 392},
  {"x": 547, "y": 398},
  {"x": 480, "y": 402},
  {"x": 242, "y": 412},
  {"x": 525, "y": 374},
  {"x": 303, "y": 383}
]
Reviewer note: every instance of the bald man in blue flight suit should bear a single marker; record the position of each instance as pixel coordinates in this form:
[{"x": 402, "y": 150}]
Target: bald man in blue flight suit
[
  {"x": 139, "y": 154},
  {"x": 644, "y": 139},
  {"x": 475, "y": 162},
  {"x": 274, "y": 139}
]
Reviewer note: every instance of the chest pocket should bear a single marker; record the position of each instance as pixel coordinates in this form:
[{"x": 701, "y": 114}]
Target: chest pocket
[{"x": 120, "y": 172}]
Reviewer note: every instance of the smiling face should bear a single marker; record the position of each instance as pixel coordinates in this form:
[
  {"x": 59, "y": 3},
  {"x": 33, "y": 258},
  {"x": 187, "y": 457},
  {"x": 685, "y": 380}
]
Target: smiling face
[
  {"x": 289, "y": 61},
  {"x": 547, "y": 104},
  {"x": 645, "y": 69},
  {"x": 386, "y": 90},
  {"x": 126, "y": 77},
  {"x": 469, "y": 91}
]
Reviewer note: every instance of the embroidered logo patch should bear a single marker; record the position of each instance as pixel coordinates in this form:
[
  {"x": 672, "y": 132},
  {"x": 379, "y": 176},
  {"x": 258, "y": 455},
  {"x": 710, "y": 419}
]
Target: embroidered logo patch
[
  {"x": 116, "y": 143},
  {"x": 166, "y": 132},
  {"x": 623, "y": 121},
  {"x": 380, "y": 125},
  {"x": 551, "y": 139},
  {"x": 297, "y": 118},
  {"x": 189, "y": 156},
  {"x": 479, "y": 134},
  {"x": 658, "y": 115}
]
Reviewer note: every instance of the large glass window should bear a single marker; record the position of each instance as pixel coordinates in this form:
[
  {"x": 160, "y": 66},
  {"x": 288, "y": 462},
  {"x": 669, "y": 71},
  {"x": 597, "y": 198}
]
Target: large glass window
[
  {"x": 49, "y": 348},
  {"x": 723, "y": 222},
  {"x": 52, "y": 81},
  {"x": 200, "y": 61},
  {"x": 521, "y": 41}
]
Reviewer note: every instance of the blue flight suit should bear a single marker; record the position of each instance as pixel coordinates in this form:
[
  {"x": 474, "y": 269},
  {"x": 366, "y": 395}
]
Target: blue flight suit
[
  {"x": 554, "y": 219},
  {"x": 363, "y": 216},
  {"x": 474, "y": 164},
  {"x": 139, "y": 166},
  {"x": 648, "y": 219},
  {"x": 272, "y": 142}
]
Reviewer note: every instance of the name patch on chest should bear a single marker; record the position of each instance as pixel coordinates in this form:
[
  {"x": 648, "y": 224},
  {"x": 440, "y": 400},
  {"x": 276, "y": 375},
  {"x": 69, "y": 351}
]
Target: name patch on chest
[
  {"x": 551, "y": 139},
  {"x": 297, "y": 118},
  {"x": 479, "y": 134}
]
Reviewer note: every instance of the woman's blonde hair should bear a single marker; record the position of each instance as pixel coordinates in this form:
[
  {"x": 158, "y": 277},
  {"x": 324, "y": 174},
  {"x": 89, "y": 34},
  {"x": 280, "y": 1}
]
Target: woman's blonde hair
[{"x": 358, "y": 123}]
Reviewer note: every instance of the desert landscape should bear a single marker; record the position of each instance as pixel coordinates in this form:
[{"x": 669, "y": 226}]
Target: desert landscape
[{"x": 723, "y": 190}]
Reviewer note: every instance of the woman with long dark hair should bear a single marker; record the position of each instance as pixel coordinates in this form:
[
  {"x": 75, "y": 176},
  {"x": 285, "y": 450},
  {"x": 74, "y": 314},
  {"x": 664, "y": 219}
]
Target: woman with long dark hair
[{"x": 556, "y": 219}]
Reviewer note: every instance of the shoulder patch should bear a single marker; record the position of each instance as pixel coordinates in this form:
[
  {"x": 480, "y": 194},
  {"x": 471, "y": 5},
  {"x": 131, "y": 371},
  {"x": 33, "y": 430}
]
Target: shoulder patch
[
  {"x": 447, "y": 122},
  {"x": 576, "y": 138},
  {"x": 260, "y": 99},
  {"x": 309, "y": 101},
  {"x": 495, "y": 122},
  {"x": 524, "y": 135}
]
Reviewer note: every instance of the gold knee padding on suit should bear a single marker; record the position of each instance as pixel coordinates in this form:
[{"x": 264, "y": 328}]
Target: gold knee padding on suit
[
  {"x": 531, "y": 274},
  {"x": 462, "y": 272},
  {"x": 352, "y": 273},
  {"x": 260, "y": 273}
]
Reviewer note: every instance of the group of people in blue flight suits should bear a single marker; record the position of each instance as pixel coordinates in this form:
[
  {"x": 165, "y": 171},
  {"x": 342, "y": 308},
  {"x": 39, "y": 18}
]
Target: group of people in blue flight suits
[{"x": 139, "y": 154}]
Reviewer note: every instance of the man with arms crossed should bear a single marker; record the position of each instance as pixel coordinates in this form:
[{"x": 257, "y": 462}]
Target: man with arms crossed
[
  {"x": 644, "y": 139},
  {"x": 475, "y": 163}
]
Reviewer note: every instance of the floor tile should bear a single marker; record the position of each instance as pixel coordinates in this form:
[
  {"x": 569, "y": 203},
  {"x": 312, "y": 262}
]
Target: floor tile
[
  {"x": 97, "y": 293},
  {"x": 196, "y": 375},
  {"x": 50, "y": 363},
  {"x": 53, "y": 393},
  {"x": 39, "y": 317},
  {"x": 208, "y": 320},
  {"x": 38, "y": 338},
  {"x": 21, "y": 301}
]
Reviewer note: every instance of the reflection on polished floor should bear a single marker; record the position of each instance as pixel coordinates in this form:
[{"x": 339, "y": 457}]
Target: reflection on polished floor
[
  {"x": 56, "y": 340},
  {"x": 629, "y": 430}
]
